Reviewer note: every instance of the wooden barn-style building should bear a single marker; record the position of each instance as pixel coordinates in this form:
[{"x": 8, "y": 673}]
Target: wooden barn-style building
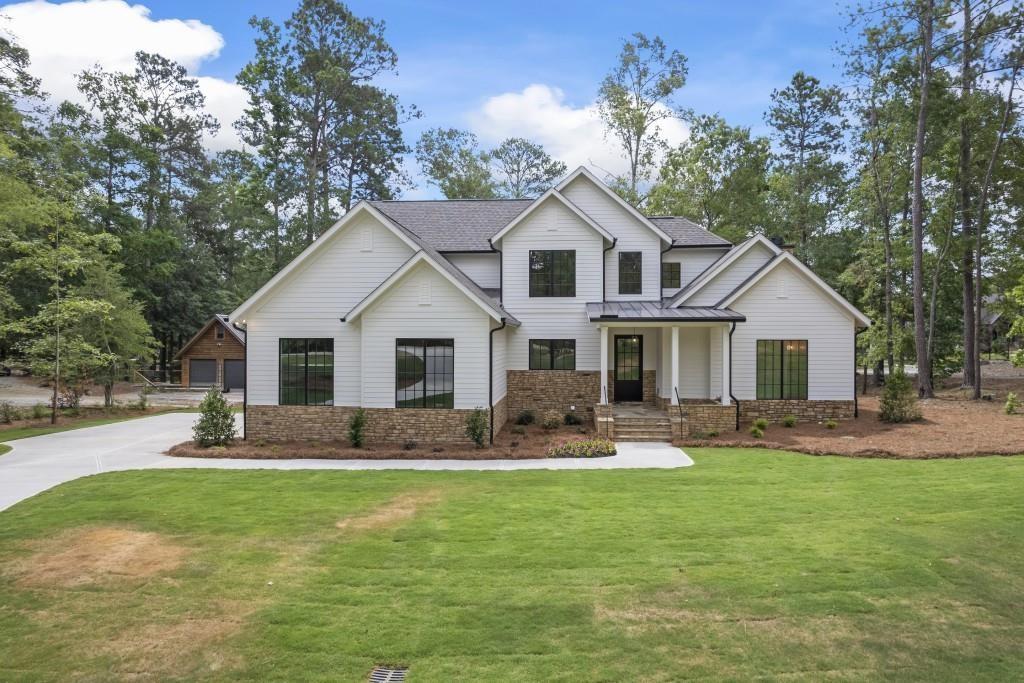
[{"x": 215, "y": 356}]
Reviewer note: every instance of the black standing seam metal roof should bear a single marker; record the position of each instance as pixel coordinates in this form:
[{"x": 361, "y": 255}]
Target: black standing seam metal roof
[{"x": 641, "y": 311}]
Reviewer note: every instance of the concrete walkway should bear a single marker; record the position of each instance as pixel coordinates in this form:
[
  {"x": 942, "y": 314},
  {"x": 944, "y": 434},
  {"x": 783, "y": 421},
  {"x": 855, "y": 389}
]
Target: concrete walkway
[{"x": 41, "y": 462}]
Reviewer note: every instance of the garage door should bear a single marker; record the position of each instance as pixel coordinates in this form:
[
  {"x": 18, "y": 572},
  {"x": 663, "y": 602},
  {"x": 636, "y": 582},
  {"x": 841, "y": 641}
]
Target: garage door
[
  {"x": 234, "y": 374},
  {"x": 202, "y": 372}
]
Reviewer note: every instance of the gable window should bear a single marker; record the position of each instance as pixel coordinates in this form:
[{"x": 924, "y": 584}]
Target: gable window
[
  {"x": 552, "y": 354},
  {"x": 306, "y": 372},
  {"x": 781, "y": 369},
  {"x": 630, "y": 272},
  {"x": 670, "y": 276},
  {"x": 553, "y": 273},
  {"x": 424, "y": 373},
  {"x": 219, "y": 334}
]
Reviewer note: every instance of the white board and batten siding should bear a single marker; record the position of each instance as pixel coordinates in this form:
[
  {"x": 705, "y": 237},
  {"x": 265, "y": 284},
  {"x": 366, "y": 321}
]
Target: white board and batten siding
[
  {"x": 311, "y": 302},
  {"x": 424, "y": 304},
  {"x": 482, "y": 268},
  {"x": 732, "y": 277},
  {"x": 786, "y": 305},
  {"x": 693, "y": 262},
  {"x": 552, "y": 226},
  {"x": 631, "y": 235}
]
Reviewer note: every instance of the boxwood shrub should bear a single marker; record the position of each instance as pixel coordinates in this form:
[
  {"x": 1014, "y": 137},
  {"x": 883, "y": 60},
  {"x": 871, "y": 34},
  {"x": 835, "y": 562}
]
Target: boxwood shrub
[{"x": 583, "y": 448}]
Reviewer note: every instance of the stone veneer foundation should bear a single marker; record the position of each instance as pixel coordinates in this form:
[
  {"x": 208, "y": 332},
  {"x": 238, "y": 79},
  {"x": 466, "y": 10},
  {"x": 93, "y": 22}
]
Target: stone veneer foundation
[
  {"x": 544, "y": 390},
  {"x": 808, "y": 411}
]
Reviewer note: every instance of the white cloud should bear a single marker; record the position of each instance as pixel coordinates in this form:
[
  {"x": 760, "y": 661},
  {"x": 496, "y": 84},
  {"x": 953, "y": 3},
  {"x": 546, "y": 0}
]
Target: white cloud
[
  {"x": 64, "y": 39},
  {"x": 574, "y": 135}
]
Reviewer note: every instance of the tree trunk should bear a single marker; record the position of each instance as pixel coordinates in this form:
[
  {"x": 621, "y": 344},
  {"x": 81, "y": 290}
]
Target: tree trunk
[
  {"x": 967, "y": 228},
  {"x": 924, "y": 366}
]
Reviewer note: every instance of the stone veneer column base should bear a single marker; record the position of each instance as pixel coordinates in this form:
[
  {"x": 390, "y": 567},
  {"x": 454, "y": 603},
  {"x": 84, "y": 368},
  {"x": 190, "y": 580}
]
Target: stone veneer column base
[
  {"x": 604, "y": 421},
  {"x": 558, "y": 390}
]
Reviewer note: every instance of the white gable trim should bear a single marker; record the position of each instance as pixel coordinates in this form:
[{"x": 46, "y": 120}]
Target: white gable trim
[
  {"x": 250, "y": 304},
  {"x": 786, "y": 257},
  {"x": 644, "y": 220},
  {"x": 720, "y": 265},
  {"x": 552, "y": 194},
  {"x": 415, "y": 260}
]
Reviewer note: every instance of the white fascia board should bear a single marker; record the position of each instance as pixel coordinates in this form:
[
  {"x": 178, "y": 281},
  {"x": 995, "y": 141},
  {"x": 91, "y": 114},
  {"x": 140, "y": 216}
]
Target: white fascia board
[
  {"x": 647, "y": 222},
  {"x": 552, "y": 194},
  {"x": 727, "y": 260}
]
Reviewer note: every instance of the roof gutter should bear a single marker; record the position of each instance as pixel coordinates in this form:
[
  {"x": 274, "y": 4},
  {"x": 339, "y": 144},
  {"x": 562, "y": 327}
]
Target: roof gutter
[
  {"x": 490, "y": 377},
  {"x": 604, "y": 269}
]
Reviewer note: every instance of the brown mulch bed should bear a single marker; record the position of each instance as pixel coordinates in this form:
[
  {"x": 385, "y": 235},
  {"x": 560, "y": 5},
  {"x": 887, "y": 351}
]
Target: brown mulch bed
[
  {"x": 533, "y": 443},
  {"x": 949, "y": 428}
]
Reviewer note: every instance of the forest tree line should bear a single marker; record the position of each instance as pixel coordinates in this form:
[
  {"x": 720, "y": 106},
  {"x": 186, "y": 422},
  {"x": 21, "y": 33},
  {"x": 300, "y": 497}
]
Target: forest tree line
[{"x": 902, "y": 185}]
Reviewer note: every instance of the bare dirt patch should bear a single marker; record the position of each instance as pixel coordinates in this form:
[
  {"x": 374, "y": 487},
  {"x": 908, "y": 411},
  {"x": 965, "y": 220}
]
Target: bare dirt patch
[
  {"x": 94, "y": 555},
  {"x": 395, "y": 511},
  {"x": 950, "y": 428}
]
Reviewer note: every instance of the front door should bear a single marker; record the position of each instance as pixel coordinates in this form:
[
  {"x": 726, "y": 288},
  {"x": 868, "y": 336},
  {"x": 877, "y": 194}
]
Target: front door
[{"x": 629, "y": 364}]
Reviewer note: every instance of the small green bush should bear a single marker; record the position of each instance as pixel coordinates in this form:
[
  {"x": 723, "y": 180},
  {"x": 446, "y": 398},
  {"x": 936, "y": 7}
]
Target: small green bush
[
  {"x": 517, "y": 429},
  {"x": 789, "y": 421},
  {"x": 756, "y": 431},
  {"x": 357, "y": 428},
  {"x": 8, "y": 412},
  {"x": 831, "y": 424},
  {"x": 712, "y": 434},
  {"x": 526, "y": 417},
  {"x": 551, "y": 422},
  {"x": 409, "y": 445},
  {"x": 898, "y": 402},
  {"x": 761, "y": 423},
  {"x": 1012, "y": 404},
  {"x": 216, "y": 424},
  {"x": 476, "y": 427},
  {"x": 583, "y": 448},
  {"x": 572, "y": 419},
  {"x": 39, "y": 411}
]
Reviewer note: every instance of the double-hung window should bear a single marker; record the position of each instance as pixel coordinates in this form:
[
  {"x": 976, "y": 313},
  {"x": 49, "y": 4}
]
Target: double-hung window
[
  {"x": 553, "y": 273},
  {"x": 631, "y": 272},
  {"x": 552, "y": 354},
  {"x": 424, "y": 373},
  {"x": 781, "y": 369},
  {"x": 670, "y": 275},
  {"x": 306, "y": 372}
]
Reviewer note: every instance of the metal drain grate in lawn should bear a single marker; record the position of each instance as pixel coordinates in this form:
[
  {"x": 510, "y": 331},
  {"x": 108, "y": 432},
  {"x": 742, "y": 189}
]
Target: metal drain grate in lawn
[{"x": 385, "y": 674}]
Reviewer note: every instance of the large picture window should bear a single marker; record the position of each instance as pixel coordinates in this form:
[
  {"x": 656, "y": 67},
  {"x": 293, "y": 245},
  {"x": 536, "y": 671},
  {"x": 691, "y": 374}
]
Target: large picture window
[
  {"x": 553, "y": 273},
  {"x": 306, "y": 372},
  {"x": 670, "y": 276},
  {"x": 552, "y": 354},
  {"x": 424, "y": 373},
  {"x": 781, "y": 369},
  {"x": 631, "y": 272}
]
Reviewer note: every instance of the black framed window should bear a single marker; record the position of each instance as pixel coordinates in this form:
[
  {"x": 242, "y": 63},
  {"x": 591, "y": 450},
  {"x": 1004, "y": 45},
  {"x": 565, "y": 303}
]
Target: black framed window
[
  {"x": 552, "y": 354},
  {"x": 219, "y": 334},
  {"x": 306, "y": 372},
  {"x": 631, "y": 272},
  {"x": 424, "y": 373},
  {"x": 781, "y": 369},
  {"x": 670, "y": 276},
  {"x": 553, "y": 273}
]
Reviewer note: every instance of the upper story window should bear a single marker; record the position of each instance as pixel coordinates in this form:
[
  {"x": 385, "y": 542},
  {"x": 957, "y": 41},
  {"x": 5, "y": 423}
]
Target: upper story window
[
  {"x": 424, "y": 373},
  {"x": 670, "y": 276},
  {"x": 631, "y": 272},
  {"x": 781, "y": 369},
  {"x": 553, "y": 273},
  {"x": 219, "y": 334},
  {"x": 306, "y": 372},
  {"x": 552, "y": 354}
]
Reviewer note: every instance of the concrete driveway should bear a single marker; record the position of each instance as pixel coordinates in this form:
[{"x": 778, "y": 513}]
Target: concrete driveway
[{"x": 41, "y": 462}]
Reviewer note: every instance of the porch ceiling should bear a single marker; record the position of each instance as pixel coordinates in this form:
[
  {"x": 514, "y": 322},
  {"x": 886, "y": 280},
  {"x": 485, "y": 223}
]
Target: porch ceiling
[{"x": 652, "y": 311}]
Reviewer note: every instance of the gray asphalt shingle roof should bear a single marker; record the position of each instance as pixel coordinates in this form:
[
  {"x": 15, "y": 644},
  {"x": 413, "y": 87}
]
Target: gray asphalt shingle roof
[
  {"x": 654, "y": 310},
  {"x": 468, "y": 224}
]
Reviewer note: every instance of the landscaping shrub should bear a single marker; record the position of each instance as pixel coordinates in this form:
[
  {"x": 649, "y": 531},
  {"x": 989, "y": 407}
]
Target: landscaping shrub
[
  {"x": 552, "y": 421},
  {"x": 8, "y": 413},
  {"x": 789, "y": 421},
  {"x": 356, "y": 427},
  {"x": 583, "y": 448},
  {"x": 517, "y": 429},
  {"x": 216, "y": 425},
  {"x": 572, "y": 419},
  {"x": 831, "y": 424},
  {"x": 476, "y": 426},
  {"x": 712, "y": 434},
  {"x": 409, "y": 445},
  {"x": 898, "y": 402},
  {"x": 39, "y": 411},
  {"x": 756, "y": 432},
  {"x": 1012, "y": 403},
  {"x": 526, "y": 417},
  {"x": 761, "y": 423}
]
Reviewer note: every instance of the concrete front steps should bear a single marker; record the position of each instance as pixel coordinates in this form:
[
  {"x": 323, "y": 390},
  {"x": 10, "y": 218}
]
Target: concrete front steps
[{"x": 646, "y": 428}]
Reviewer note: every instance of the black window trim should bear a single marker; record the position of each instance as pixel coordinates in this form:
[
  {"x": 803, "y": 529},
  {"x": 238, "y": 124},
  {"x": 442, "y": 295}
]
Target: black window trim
[
  {"x": 781, "y": 370},
  {"x": 552, "y": 285},
  {"x": 640, "y": 272},
  {"x": 422, "y": 342},
  {"x": 551, "y": 355},
  {"x": 678, "y": 275},
  {"x": 305, "y": 370}
]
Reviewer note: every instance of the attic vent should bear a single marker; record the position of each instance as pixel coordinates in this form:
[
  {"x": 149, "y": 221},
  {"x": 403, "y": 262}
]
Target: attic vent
[
  {"x": 384, "y": 674},
  {"x": 368, "y": 239},
  {"x": 425, "y": 293}
]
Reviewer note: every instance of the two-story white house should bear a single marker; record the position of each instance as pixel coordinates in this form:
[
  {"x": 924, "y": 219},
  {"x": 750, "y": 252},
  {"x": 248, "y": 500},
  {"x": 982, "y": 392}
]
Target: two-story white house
[{"x": 421, "y": 311}]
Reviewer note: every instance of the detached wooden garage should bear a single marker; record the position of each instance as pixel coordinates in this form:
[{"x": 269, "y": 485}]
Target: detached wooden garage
[{"x": 215, "y": 356}]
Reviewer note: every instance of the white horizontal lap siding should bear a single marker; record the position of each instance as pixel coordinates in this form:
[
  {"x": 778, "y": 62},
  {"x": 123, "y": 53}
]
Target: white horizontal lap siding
[
  {"x": 630, "y": 234},
  {"x": 694, "y": 362},
  {"x": 552, "y": 226},
  {"x": 311, "y": 302},
  {"x": 715, "y": 389},
  {"x": 805, "y": 313},
  {"x": 692, "y": 262},
  {"x": 402, "y": 312},
  {"x": 499, "y": 366},
  {"x": 732, "y": 277},
  {"x": 482, "y": 269}
]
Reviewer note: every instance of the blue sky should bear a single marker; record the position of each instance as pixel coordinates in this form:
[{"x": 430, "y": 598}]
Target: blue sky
[{"x": 523, "y": 68}]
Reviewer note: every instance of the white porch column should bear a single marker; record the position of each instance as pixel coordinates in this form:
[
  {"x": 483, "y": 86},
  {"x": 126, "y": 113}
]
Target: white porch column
[
  {"x": 604, "y": 364},
  {"x": 726, "y": 364},
  {"x": 675, "y": 366}
]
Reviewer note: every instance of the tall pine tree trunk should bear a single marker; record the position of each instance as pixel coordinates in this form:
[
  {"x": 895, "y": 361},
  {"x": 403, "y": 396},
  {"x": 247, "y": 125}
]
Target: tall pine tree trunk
[
  {"x": 924, "y": 364},
  {"x": 967, "y": 227}
]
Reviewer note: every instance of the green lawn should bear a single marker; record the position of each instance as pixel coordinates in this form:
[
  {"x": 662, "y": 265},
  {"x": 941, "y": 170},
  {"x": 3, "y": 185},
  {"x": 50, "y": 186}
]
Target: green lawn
[{"x": 752, "y": 563}]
